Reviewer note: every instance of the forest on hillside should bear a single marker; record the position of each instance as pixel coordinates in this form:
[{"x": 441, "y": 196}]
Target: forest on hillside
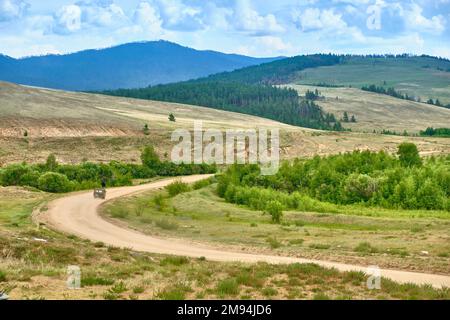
[
  {"x": 251, "y": 91},
  {"x": 280, "y": 104}
]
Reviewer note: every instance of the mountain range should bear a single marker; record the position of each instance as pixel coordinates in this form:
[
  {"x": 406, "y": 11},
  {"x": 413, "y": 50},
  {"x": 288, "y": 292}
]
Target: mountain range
[{"x": 131, "y": 65}]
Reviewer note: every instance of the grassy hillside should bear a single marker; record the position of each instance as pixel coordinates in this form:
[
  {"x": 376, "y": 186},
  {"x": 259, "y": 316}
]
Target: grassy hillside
[
  {"x": 80, "y": 126},
  {"x": 424, "y": 77},
  {"x": 379, "y": 112}
]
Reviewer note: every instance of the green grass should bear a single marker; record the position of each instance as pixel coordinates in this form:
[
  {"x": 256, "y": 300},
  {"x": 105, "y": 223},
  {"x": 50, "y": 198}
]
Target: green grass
[
  {"x": 392, "y": 236},
  {"x": 365, "y": 247},
  {"x": 228, "y": 287},
  {"x": 88, "y": 281},
  {"x": 408, "y": 76},
  {"x": 114, "y": 273}
]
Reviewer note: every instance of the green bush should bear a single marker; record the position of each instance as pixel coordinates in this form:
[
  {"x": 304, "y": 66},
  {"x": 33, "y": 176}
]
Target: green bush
[
  {"x": 373, "y": 179},
  {"x": 177, "y": 187},
  {"x": 54, "y": 182},
  {"x": 31, "y": 178},
  {"x": 88, "y": 175},
  {"x": 149, "y": 157},
  {"x": 409, "y": 154},
  {"x": 202, "y": 184},
  {"x": 275, "y": 209},
  {"x": 12, "y": 175}
]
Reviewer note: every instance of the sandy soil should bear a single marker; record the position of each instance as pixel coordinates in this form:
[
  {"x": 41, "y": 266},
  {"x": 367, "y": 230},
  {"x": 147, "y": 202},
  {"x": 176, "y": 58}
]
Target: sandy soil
[{"x": 78, "y": 214}]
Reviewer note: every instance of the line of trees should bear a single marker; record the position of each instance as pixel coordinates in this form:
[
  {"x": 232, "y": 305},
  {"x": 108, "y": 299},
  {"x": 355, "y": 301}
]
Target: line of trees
[
  {"x": 54, "y": 177},
  {"x": 438, "y": 132},
  {"x": 389, "y": 91},
  {"x": 393, "y": 93},
  {"x": 360, "y": 177}
]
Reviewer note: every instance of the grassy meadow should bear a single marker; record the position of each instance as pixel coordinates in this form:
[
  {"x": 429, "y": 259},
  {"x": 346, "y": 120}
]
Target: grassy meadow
[
  {"x": 414, "y": 76},
  {"x": 33, "y": 265},
  {"x": 403, "y": 239}
]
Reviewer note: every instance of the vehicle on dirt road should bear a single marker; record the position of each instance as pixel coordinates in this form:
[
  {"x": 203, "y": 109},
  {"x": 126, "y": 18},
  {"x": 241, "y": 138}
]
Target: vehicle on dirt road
[{"x": 100, "y": 193}]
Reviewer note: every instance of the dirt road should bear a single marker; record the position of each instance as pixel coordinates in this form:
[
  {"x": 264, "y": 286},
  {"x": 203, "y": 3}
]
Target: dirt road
[{"x": 77, "y": 214}]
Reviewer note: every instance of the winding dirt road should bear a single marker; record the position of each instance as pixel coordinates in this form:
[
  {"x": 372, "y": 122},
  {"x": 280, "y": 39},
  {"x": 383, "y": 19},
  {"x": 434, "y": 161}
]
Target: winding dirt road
[{"x": 78, "y": 214}]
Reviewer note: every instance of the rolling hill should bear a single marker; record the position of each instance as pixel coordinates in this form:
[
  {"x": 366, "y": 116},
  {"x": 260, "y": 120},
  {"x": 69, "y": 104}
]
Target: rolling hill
[
  {"x": 125, "y": 66},
  {"x": 82, "y": 126},
  {"x": 418, "y": 76},
  {"x": 378, "y": 112}
]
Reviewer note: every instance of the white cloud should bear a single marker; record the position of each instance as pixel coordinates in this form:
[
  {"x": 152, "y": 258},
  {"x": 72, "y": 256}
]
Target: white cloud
[
  {"x": 85, "y": 14},
  {"x": 267, "y": 46},
  {"x": 415, "y": 20},
  {"x": 313, "y": 19},
  {"x": 246, "y": 19},
  {"x": 326, "y": 23},
  {"x": 12, "y": 9},
  {"x": 176, "y": 15},
  {"x": 147, "y": 17},
  {"x": 68, "y": 19}
]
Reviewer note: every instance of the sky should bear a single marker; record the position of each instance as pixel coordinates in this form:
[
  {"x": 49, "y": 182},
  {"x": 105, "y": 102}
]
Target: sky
[{"x": 252, "y": 27}]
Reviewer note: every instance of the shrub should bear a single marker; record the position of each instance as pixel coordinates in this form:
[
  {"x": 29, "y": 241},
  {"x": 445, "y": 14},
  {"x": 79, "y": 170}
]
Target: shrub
[
  {"x": 228, "y": 287},
  {"x": 174, "y": 292},
  {"x": 119, "y": 212},
  {"x": 202, "y": 184},
  {"x": 273, "y": 242},
  {"x": 166, "y": 224},
  {"x": 139, "y": 208},
  {"x": 149, "y": 157},
  {"x": 159, "y": 201},
  {"x": 365, "y": 247},
  {"x": 54, "y": 182},
  {"x": 174, "y": 260},
  {"x": 51, "y": 164},
  {"x": 12, "y": 175},
  {"x": 177, "y": 187},
  {"x": 88, "y": 281},
  {"x": 360, "y": 187},
  {"x": 275, "y": 209},
  {"x": 409, "y": 154},
  {"x": 31, "y": 178},
  {"x": 2, "y": 276}
]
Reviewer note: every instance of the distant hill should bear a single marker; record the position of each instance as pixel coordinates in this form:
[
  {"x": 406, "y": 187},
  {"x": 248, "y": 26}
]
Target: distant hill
[
  {"x": 423, "y": 77},
  {"x": 130, "y": 65}
]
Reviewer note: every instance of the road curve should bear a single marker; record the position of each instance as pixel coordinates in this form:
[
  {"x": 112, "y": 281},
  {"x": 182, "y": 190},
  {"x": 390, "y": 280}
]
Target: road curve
[{"x": 78, "y": 214}]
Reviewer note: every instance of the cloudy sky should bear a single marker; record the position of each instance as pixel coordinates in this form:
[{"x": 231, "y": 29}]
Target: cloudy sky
[{"x": 251, "y": 27}]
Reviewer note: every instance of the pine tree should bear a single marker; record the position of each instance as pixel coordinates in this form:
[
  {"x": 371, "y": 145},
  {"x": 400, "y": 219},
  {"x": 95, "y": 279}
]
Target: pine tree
[
  {"x": 345, "y": 118},
  {"x": 172, "y": 117},
  {"x": 146, "y": 130}
]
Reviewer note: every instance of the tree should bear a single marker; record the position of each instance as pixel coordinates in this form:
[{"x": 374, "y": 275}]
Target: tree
[
  {"x": 275, "y": 209},
  {"x": 25, "y": 133},
  {"x": 149, "y": 157},
  {"x": 51, "y": 164},
  {"x": 54, "y": 182},
  {"x": 345, "y": 118},
  {"x": 409, "y": 154},
  {"x": 353, "y": 118},
  {"x": 146, "y": 130},
  {"x": 172, "y": 117}
]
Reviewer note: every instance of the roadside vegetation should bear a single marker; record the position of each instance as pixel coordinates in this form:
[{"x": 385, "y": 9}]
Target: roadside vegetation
[
  {"x": 370, "y": 179},
  {"x": 57, "y": 178}
]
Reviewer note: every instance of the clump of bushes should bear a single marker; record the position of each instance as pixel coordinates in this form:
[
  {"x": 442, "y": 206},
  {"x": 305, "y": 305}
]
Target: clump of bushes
[
  {"x": 177, "y": 187},
  {"x": 360, "y": 177},
  {"x": 54, "y": 182},
  {"x": 54, "y": 177},
  {"x": 275, "y": 209}
]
